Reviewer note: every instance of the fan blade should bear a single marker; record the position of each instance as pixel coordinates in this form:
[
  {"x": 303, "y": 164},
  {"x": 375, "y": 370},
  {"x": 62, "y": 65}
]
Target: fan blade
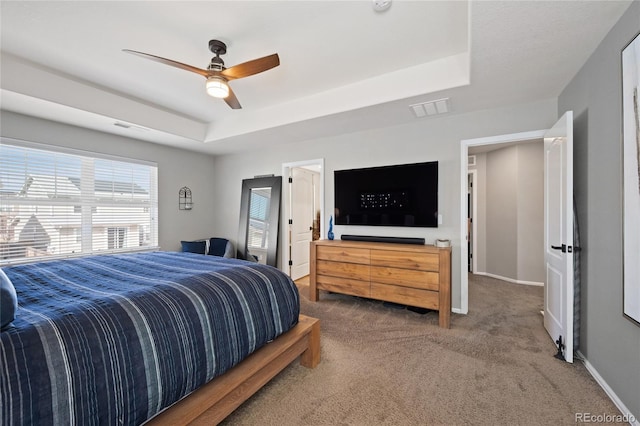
[
  {"x": 204, "y": 73},
  {"x": 251, "y": 67},
  {"x": 232, "y": 101}
]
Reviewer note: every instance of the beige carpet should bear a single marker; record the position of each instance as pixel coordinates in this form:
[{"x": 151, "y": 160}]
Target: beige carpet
[{"x": 387, "y": 366}]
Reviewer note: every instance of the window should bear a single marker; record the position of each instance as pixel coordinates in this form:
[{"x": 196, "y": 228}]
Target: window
[
  {"x": 116, "y": 237},
  {"x": 56, "y": 202}
]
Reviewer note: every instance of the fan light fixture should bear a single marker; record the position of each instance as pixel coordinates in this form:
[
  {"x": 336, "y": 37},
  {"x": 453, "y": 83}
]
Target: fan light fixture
[
  {"x": 217, "y": 74},
  {"x": 217, "y": 87}
]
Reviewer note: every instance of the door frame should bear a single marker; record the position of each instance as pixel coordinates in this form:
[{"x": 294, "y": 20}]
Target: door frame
[
  {"x": 464, "y": 166},
  {"x": 286, "y": 207},
  {"x": 474, "y": 220}
]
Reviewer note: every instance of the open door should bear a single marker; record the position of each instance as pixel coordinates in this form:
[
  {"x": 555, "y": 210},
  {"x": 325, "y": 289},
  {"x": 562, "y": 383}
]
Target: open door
[
  {"x": 302, "y": 213},
  {"x": 558, "y": 238}
]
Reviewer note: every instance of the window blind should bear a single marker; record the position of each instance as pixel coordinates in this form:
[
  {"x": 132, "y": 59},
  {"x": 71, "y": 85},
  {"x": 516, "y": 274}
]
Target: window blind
[{"x": 60, "y": 203}]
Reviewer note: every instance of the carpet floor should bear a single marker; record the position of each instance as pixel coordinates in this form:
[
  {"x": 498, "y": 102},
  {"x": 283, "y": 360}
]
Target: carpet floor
[{"x": 384, "y": 365}]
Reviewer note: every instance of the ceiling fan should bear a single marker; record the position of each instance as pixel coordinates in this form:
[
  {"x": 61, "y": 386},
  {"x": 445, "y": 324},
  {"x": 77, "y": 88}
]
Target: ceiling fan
[{"x": 217, "y": 74}]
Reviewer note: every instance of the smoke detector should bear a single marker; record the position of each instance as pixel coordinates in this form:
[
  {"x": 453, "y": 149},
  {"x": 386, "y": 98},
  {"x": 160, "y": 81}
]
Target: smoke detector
[{"x": 381, "y": 5}]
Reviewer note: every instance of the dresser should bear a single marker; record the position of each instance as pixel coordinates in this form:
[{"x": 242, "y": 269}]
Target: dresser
[{"x": 409, "y": 274}]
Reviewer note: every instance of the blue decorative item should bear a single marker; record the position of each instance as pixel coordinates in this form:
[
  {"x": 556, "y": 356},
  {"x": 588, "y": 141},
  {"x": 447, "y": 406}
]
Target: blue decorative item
[{"x": 330, "y": 233}]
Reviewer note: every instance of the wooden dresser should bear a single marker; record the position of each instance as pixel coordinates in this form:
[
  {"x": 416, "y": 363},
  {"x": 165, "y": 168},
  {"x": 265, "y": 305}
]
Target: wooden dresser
[{"x": 409, "y": 274}]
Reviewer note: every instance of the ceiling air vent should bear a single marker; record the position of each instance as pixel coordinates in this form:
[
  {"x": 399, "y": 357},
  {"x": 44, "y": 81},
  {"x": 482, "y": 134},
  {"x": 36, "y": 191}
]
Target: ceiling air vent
[{"x": 439, "y": 106}]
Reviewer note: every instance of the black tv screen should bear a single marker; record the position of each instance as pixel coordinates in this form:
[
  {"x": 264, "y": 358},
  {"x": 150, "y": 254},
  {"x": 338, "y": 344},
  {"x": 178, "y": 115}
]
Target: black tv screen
[{"x": 399, "y": 195}]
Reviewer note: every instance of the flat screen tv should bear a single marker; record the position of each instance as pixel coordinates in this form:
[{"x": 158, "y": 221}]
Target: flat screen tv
[{"x": 399, "y": 195}]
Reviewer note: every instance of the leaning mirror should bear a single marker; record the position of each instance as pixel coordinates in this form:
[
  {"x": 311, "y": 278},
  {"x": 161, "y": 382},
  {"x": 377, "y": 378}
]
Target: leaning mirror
[{"x": 259, "y": 219}]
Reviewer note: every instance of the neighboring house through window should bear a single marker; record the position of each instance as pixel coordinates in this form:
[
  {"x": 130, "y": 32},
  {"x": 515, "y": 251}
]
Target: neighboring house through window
[{"x": 56, "y": 202}]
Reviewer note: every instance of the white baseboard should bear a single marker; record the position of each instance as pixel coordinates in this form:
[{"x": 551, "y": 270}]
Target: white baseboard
[
  {"x": 511, "y": 280},
  {"x": 458, "y": 311},
  {"x": 633, "y": 420}
]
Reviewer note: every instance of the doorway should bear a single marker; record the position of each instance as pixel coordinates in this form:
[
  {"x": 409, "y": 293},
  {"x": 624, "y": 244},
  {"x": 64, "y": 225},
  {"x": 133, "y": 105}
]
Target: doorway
[
  {"x": 466, "y": 144},
  {"x": 559, "y": 295},
  {"x": 303, "y": 201}
]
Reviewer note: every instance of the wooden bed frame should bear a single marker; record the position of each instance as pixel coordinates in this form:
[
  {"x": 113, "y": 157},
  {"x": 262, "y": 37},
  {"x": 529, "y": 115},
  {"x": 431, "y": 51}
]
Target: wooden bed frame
[{"x": 211, "y": 403}]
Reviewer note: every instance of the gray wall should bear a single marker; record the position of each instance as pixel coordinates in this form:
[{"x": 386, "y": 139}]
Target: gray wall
[
  {"x": 423, "y": 140},
  {"x": 530, "y": 213},
  {"x": 176, "y": 168},
  {"x": 510, "y": 218},
  {"x": 502, "y": 209},
  {"x": 610, "y": 342},
  {"x": 481, "y": 206}
]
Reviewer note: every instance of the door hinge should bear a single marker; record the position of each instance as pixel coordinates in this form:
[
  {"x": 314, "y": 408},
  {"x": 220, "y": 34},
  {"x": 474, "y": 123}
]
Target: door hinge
[
  {"x": 561, "y": 346},
  {"x": 290, "y": 221},
  {"x": 290, "y": 180},
  {"x": 291, "y": 263}
]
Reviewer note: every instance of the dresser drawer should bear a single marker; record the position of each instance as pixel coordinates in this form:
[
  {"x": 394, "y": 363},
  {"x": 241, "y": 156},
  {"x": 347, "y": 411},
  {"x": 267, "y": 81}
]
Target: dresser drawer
[
  {"x": 343, "y": 285},
  {"x": 406, "y": 277},
  {"x": 339, "y": 254},
  {"x": 352, "y": 271},
  {"x": 406, "y": 260},
  {"x": 406, "y": 296}
]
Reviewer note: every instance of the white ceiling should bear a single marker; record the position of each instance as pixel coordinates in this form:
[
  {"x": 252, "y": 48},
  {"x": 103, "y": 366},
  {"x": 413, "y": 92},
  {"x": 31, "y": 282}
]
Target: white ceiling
[{"x": 344, "y": 67}]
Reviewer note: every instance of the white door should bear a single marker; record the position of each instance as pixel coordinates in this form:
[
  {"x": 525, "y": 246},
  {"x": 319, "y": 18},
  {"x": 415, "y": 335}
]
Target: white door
[
  {"x": 302, "y": 212},
  {"x": 558, "y": 238}
]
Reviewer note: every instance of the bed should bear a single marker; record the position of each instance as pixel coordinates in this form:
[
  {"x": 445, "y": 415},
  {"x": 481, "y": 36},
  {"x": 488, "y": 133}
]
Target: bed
[{"x": 161, "y": 337}]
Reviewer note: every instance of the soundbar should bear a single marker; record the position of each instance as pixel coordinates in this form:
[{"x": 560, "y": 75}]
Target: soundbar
[{"x": 377, "y": 239}]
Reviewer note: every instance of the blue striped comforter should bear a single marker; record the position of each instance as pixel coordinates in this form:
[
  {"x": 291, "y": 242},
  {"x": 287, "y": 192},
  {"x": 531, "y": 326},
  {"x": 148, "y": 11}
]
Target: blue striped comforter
[{"x": 115, "y": 339}]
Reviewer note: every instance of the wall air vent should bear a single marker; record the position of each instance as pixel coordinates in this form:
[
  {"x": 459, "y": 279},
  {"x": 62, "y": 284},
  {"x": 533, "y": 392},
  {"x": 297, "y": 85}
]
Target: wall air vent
[{"x": 424, "y": 109}]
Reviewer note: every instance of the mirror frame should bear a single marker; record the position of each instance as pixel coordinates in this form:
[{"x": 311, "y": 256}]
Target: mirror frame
[{"x": 275, "y": 183}]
